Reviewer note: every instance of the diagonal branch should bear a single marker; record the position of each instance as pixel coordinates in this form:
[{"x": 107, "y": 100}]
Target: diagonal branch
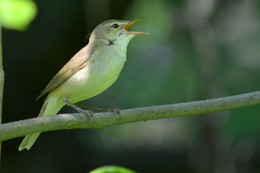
[{"x": 101, "y": 120}]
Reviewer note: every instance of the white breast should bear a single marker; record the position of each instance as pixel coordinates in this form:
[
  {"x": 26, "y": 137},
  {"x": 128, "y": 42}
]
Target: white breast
[{"x": 102, "y": 71}]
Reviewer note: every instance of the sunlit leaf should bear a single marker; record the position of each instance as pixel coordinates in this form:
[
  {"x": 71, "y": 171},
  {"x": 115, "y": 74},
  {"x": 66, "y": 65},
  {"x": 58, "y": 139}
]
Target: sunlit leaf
[{"x": 17, "y": 14}]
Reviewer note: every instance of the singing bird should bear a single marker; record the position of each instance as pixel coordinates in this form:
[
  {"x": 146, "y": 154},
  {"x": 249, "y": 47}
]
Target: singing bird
[{"x": 89, "y": 72}]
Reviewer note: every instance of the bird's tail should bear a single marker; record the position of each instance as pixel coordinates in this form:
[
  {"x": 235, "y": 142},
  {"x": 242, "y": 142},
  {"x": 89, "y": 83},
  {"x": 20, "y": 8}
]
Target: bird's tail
[
  {"x": 50, "y": 107},
  {"x": 28, "y": 141}
]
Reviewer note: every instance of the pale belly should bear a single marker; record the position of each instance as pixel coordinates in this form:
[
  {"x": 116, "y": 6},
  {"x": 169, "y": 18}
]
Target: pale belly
[{"x": 90, "y": 81}]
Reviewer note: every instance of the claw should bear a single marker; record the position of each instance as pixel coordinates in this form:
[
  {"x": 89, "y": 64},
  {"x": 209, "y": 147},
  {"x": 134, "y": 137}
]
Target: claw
[
  {"x": 115, "y": 111},
  {"x": 88, "y": 113}
]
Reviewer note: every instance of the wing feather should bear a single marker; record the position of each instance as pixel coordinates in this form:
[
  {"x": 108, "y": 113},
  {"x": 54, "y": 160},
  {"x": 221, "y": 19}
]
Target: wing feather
[{"x": 76, "y": 63}]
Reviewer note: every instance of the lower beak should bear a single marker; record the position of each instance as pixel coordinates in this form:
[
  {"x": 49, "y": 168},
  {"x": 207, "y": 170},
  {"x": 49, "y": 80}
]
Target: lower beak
[{"x": 134, "y": 32}]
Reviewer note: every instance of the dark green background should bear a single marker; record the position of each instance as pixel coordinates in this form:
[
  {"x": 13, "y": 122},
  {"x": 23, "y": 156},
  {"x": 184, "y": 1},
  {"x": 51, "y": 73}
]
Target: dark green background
[{"x": 196, "y": 50}]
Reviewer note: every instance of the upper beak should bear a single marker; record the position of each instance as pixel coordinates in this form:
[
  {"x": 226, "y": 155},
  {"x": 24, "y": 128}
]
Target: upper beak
[{"x": 126, "y": 27}]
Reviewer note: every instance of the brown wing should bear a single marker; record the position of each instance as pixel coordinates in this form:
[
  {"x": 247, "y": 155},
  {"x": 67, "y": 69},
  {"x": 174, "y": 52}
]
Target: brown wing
[{"x": 76, "y": 63}]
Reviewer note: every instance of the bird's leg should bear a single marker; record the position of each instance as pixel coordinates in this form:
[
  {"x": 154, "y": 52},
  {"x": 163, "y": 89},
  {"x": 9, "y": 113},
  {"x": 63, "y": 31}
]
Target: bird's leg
[
  {"x": 88, "y": 113},
  {"x": 115, "y": 110}
]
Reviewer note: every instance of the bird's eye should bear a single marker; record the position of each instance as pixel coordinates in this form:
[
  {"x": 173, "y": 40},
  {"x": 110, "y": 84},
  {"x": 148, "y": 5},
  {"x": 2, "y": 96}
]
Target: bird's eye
[{"x": 115, "y": 25}]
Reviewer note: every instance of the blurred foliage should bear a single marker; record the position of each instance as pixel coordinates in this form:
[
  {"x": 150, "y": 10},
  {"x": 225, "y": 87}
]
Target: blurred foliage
[
  {"x": 17, "y": 14},
  {"x": 112, "y": 169},
  {"x": 196, "y": 50}
]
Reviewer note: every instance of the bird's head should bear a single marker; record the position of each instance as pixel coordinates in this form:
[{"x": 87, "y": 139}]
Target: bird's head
[{"x": 115, "y": 31}]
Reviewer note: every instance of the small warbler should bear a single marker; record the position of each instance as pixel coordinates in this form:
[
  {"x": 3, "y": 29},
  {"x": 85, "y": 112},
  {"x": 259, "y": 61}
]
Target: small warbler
[{"x": 89, "y": 72}]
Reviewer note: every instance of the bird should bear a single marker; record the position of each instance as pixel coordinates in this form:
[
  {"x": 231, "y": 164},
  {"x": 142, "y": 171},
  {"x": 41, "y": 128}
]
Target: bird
[{"x": 89, "y": 72}]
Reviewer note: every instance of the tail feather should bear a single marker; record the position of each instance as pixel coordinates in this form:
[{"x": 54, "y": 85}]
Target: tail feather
[
  {"x": 28, "y": 141},
  {"x": 50, "y": 107}
]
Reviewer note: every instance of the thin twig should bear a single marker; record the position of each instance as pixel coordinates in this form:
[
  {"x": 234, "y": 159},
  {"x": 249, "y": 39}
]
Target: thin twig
[{"x": 1, "y": 83}]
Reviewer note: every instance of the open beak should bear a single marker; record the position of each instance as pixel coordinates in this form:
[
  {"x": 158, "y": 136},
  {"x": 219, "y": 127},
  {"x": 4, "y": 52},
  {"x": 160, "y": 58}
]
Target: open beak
[{"x": 134, "y": 32}]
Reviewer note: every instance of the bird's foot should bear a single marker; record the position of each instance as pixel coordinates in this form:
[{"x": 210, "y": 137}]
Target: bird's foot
[
  {"x": 88, "y": 113},
  {"x": 113, "y": 110}
]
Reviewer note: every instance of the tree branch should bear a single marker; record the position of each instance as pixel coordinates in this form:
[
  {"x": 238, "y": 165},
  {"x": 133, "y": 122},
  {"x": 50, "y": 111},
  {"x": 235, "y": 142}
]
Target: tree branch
[{"x": 101, "y": 120}]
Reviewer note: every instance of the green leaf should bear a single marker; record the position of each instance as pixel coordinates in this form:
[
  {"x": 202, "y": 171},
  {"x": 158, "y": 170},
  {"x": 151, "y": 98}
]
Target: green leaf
[
  {"x": 17, "y": 14},
  {"x": 112, "y": 169}
]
